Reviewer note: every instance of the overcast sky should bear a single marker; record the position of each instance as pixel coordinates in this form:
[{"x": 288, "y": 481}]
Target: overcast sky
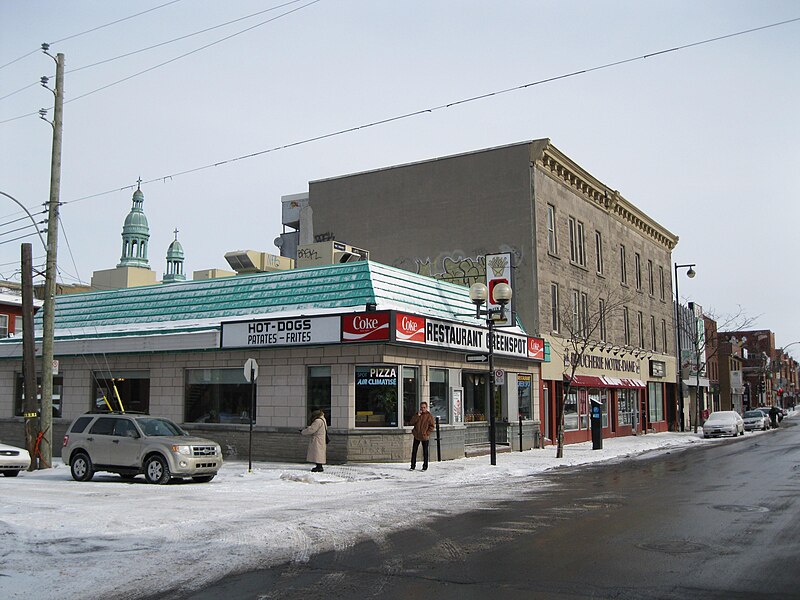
[{"x": 703, "y": 139}]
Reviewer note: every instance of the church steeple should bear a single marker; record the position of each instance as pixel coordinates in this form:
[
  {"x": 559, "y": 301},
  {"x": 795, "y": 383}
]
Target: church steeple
[
  {"x": 135, "y": 234},
  {"x": 174, "y": 262}
]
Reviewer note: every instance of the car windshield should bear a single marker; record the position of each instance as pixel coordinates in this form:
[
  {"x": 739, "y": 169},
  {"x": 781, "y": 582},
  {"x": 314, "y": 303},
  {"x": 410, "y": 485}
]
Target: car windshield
[
  {"x": 754, "y": 414},
  {"x": 724, "y": 417},
  {"x": 160, "y": 427}
]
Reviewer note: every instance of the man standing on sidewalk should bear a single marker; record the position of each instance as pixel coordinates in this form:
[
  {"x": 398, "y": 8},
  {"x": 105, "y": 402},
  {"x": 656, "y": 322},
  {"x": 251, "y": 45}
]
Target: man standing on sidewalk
[{"x": 423, "y": 427}]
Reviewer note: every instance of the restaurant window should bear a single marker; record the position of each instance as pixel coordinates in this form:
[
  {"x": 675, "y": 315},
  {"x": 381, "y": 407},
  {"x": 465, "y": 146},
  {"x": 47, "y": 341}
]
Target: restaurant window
[
  {"x": 376, "y": 396},
  {"x": 19, "y": 395},
  {"x": 524, "y": 396},
  {"x": 439, "y": 386},
  {"x": 318, "y": 392},
  {"x": 626, "y": 403},
  {"x": 131, "y": 389},
  {"x": 552, "y": 241},
  {"x": 475, "y": 395},
  {"x": 655, "y": 402},
  {"x": 410, "y": 393},
  {"x": 217, "y": 396},
  {"x": 571, "y": 410}
]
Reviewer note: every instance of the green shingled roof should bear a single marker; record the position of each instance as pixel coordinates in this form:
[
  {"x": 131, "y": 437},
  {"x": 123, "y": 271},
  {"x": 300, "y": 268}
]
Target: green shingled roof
[{"x": 208, "y": 302}]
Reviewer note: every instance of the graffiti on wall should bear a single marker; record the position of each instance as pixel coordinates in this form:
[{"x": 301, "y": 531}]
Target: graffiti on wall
[{"x": 461, "y": 270}]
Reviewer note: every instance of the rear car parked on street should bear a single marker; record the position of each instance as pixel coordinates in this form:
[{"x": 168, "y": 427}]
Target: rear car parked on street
[
  {"x": 723, "y": 422},
  {"x": 755, "y": 419},
  {"x": 13, "y": 460},
  {"x": 130, "y": 444}
]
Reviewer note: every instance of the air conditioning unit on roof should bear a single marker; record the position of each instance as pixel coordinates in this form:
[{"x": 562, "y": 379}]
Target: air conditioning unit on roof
[{"x": 328, "y": 253}]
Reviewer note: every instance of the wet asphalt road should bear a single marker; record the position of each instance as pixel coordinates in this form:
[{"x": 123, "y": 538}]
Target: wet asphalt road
[{"x": 717, "y": 522}]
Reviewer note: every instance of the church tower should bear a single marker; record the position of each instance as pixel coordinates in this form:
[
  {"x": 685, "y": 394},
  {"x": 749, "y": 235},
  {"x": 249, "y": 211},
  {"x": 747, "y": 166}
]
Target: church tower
[
  {"x": 174, "y": 270},
  {"x": 135, "y": 234}
]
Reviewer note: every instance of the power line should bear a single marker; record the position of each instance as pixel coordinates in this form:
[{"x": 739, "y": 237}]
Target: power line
[
  {"x": 22, "y": 89},
  {"x": 69, "y": 37},
  {"x": 440, "y": 107}
]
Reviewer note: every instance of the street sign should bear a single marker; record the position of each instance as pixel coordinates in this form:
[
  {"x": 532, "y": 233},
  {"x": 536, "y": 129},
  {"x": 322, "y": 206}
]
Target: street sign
[
  {"x": 499, "y": 377},
  {"x": 250, "y": 366},
  {"x": 477, "y": 358}
]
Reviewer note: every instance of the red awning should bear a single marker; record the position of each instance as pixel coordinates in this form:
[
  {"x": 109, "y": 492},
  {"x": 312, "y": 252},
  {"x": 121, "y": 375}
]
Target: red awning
[{"x": 607, "y": 382}]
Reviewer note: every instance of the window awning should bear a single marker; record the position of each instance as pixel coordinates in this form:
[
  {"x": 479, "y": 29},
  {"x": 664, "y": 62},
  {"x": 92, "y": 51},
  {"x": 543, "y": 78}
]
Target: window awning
[{"x": 607, "y": 381}]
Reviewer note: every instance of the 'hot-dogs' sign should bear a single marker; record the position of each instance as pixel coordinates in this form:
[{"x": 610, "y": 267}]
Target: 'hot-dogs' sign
[{"x": 299, "y": 331}]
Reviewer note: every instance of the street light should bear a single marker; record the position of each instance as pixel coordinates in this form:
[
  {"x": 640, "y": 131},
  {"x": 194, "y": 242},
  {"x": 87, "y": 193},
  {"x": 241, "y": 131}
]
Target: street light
[
  {"x": 501, "y": 295},
  {"x": 690, "y": 274}
]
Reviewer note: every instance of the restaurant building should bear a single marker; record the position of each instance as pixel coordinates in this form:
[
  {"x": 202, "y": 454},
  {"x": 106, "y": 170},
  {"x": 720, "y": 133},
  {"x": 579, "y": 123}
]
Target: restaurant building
[{"x": 362, "y": 341}]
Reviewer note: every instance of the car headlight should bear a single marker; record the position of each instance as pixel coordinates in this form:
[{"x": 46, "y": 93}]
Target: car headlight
[{"x": 187, "y": 450}]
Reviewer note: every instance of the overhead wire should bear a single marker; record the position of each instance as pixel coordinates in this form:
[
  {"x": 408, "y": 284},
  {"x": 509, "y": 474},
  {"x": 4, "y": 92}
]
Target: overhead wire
[{"x": 439, "y": 107}]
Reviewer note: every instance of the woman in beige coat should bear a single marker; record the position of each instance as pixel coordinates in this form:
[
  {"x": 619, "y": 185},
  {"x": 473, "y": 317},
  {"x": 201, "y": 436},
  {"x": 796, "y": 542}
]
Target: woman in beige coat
[{"x": 317, "y": 447}]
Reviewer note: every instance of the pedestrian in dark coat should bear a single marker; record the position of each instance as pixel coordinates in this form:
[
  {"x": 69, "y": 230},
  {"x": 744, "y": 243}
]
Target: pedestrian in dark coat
[
  {"x": 424, "y": 425},
  {"x": 317, "y": 447},
  {"x": 773, "y": 416}
]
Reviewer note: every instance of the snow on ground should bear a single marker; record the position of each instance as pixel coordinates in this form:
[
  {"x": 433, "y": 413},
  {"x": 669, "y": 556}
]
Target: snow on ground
[{"x": 109, "y": 538}]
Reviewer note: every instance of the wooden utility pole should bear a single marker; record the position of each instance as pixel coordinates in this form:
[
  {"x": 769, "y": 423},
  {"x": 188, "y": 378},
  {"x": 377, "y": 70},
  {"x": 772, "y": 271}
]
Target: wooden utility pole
[
  {"x": 31, "y": 404},
  {"x": 48, "y": 314}
]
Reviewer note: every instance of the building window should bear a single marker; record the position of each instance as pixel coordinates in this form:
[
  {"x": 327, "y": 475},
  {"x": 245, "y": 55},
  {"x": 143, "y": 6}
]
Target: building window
[
  {"x": 552, "y": 241},
  {"x": 598, "y": 248},
  {"x": 131, "y": 388},
  {"x": 626, "y": 403},
  {"x": 18, "y": 326},
  {"x": 3, "y": 326},
  {"x": 664, "y": 339},
  {"x": 640, "y": 324},
  {"x": 217, "y": 396},
  {"x": 525, "y": 399},
  {"x": 58, "y": 392},
  {"x": 475, "y": 395},
  {"x": 623, "y": 268},
  {"x": 376, "y": 396},
  {"x": 626, "y": 325},
  {"x": 571, "y": 410},
  {"x": 318, "y": 392},
  {"x": 576, "y": 248},
  {"x": 661, "y": 282},
  {"x": 438, "y": 384},
  {"x": 637, "y": 265},
  {"x": 580, "y": 313},
  {"x": 655, "y": 402},
  {"x": 601, "y": 312},
  {"x": 410, "y": 393},
  {"x": 653, "y": 333},
  {"x": 650, "y": 282},
  {"x": 555, "y": 321}
]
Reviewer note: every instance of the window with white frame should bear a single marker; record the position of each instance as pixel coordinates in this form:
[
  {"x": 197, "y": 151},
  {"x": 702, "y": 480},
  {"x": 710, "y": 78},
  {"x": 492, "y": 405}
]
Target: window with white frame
[
  {"x": 3, "y": 326},
  {"x": 577, "y": 253},
  {"x": 552, "y": 240}
]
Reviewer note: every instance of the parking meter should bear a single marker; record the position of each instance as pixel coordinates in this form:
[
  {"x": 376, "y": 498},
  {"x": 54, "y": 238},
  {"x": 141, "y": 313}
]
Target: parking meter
[{"x": 596, "y": 420}]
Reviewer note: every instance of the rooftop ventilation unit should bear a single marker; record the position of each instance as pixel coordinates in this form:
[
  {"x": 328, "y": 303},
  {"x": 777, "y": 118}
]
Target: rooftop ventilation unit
[
  {"x": 250, "y": 261},
  {"x": 329, "y": 253}
]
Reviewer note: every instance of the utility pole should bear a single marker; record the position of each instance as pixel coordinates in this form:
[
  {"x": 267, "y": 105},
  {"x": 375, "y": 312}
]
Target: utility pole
[
  {"x": 48, "y": 315},
  {"x": 31, "y": 404}
]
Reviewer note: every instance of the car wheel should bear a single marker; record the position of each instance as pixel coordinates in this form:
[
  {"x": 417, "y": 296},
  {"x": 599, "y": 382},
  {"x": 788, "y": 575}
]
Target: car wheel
[
  {"x": 705, "y": 436},
  {"x": 203, "y": 478},
  {"x": 156, "y": 470},
  {"x": 10, "y": 473},
  {"x": 81, "y": 467}
]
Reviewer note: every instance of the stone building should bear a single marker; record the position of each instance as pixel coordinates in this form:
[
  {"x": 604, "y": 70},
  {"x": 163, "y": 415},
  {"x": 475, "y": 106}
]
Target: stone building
[{"x": 580, "y": 250}]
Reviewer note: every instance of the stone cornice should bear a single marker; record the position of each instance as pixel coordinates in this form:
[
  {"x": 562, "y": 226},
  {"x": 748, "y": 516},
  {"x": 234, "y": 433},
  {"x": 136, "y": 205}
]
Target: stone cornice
[{"x": 560, "y": 167}]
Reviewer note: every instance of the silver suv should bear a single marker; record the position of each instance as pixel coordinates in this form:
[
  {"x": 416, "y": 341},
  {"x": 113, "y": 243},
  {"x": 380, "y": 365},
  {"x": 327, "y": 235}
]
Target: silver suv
[{"x": 129, "y": 444}]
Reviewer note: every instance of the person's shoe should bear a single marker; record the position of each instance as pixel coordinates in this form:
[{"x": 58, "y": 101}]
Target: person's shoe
[
  {"x": 424, "y": 468},
  {"x": 316, "y": 470},
  {"x": 412, "y": 468}
]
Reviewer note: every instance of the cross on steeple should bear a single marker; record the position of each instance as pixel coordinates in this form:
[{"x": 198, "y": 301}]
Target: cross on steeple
[
  {"x": 176, "y": 234},
  {"x": 139, "y": 183}
]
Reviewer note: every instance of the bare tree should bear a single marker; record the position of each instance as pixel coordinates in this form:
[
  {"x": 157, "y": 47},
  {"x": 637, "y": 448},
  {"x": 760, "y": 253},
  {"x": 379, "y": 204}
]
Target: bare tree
[
  {"x": 584, "y": 320},
  {"x": 704, "y": 344}
]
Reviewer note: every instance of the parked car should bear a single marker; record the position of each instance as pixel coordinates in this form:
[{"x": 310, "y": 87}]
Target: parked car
[
  {"x": 723, "y": 422},
  {"x": 130, "y": 444},
  {"x": 755, "y": 419},
  {"x": 13, "y": 460}
]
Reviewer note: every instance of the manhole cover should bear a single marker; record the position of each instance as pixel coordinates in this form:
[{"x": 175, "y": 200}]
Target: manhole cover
[
  {"x": 674, "y": 547},
  {"x": 739, "y": 508}
]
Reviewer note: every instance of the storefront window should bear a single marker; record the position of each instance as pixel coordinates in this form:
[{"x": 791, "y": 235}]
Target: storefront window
[
  {"x": 439, "y": 387},
  {"x": 571, "y": 410},
  {"x": 410, "y": 393},
  {"x": 376, "y": 396},
  {"x": 475, "y": 394},
  {"x": 217, "y": 396},
  {"x": 318, "y": 392},
  {"x": 133, "y": 388},
  {"x": 626, "y": 403},
  {"x": 19, "y": 395},
  {"x": 655, "y": 402},
  {"x": 524, "y": 396},
  {"x": 596, "y": 395}
]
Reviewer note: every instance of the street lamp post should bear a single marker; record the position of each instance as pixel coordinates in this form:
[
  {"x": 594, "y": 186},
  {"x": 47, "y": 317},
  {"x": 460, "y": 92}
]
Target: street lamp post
[
  {"x": 501, "y": 295},
  {"x": 690, "y": 274}
]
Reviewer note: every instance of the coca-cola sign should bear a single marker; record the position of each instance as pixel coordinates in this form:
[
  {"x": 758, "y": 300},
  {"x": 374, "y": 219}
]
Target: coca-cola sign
[
  {"x": 410, "y": 328},
  {"x": 365, "y": 327},
  {"x": 536, "y": 348}
]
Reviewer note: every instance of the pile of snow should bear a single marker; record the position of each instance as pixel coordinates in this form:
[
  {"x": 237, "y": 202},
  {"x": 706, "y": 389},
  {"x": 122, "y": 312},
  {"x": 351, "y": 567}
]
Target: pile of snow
[{"x": 112, "y": 538}]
